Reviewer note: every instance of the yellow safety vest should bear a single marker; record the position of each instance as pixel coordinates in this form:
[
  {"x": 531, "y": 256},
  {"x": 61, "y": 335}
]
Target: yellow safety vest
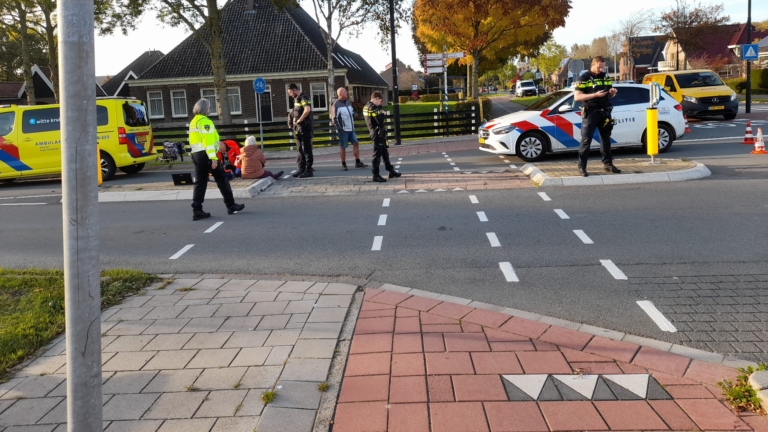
[{"x": 203, "y": 136}]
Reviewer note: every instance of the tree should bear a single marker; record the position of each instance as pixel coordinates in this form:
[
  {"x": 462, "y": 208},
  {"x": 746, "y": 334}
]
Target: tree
[
  {"x": 16, "y": 18},
  {"x": 10, "y": 52},
  {"x": 599, "y": 47},
  {"x": 48, "y": 9},
  {"x": 636, "y": 24},
  {"x": 761, "y": 25},
  {"x": 686, "y": 23},
  {"x": 549, "y": 59},
  {"x": 507, "y": 73},
  {"x": 487, "y": 29}
]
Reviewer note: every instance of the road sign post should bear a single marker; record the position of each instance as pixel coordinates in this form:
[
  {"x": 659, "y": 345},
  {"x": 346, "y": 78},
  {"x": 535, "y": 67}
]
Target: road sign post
[
  {"x": 259, "y": 86},
  {"x": 749, "y": 58}
]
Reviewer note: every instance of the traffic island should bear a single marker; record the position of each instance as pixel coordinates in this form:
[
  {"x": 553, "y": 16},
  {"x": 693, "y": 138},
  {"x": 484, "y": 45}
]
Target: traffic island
[
  {"x": 633, "y": 170},
  {"x": 167, "y": 191}
]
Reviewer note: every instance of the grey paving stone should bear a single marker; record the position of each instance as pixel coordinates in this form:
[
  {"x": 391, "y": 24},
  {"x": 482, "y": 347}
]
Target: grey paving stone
[
  {"x": 236, "y": 424},
  {"x": 306, "y": 370},
  {"x": 134, "y": 302},
  {"x": 220, "y": 378},
  {"x": 176, "y": 405},
  {"x": 194, "y": 425},
  {"x": 251, "y": 405},
  {"x": 310, "y": 296},
  {"x": 243, "y": 323},
  {"x": 744, "y": 336},
  {"x": 208, "y": 340},
  {"x": 321, "y": 331},
  {"x": 696, "y": 354},
  {"x": 234, "y": 310},
  {"x": 300, "y": 306},
  {"x": 340, "y": 288},
  {"x": 231, "y": 294},
  {"x": 182, "y": 283},
  {"x": 317, "y": 288},
  {"x": 5, "y": 404},
  {"x": 746, "y": 347},
  {"x": 213, "y": 358},
  {"x": 314, "y": 348},
  {"x": 327, "y": 315},
  {"x": 199, "y": 294},
  {"x": 260, "y": 296},
  {"x": 128, "y": 382},
  {"x": 128, "y": 343},
  {"x": 295, "y": 286},
  {"x": 282, "y": 337},
  {"x": 43, "y": 365},
  {"x": 28, "y": 411},
  {"x": 128, "y": 361},
  {"x": 165, "y": 312},
  {"x": 166, "y": 326},
  {"x": 125, "y": 328},
  {"x": 38, "y": 428},
  {"x": 130, "y": 314},
  {"x": 277, "y": 419},
  {"x": 167, "y": 381},
  {"x": 128, "y": 406},
  {"x": 721, "y": 347},
  {"x": 195, "y": 302},
  {"x": 175, "y": 359},
  {"x": 237, "y": 285},
  {"x": 278, "y": 356},
  {"x": 266, "y": 286},
  {"x": 225, "y": 300},
  {"x": 203, "y": 325},
  {"x": 269, "y": 308},
  {"x": 261, "y": 377},
  {"x": 200, "y": 311},
  {"x": 166, "y": 342},
  {"x": 247, "y": 339},
  {"x": 11, "y": 383},
  {"x": 209, "y": 284},
  {"x": 164, "y": 300},
  {"x": 134, "y": 426},
  {"x": 289, "y": 296},
  {"x": 273, "y": 322},
  {"x": 298, "y": 319},
  {"x": 222, "y": 403},
  {"x": 251, "y": 356},
  {"x": 297, "y": 394}
]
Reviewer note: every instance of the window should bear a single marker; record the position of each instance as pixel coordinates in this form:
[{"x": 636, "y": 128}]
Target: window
[
  {"x": 698, "y": 79},
  {"x": 6, "y": 122},
  {"x": 265, "y": 111},
  {"x": 319, "y": 97},
  {"x": 155, "y": 100},
  {"x": 210, "y": 94},
  {"x": 135, "y": 114},
  {"x": 670, "y": 84},
  {"x": 102, "y": 115},
  {"x": 288, "y": 98},
  {"x": 631, "y": 96},
  {"x": 179, "y": 103},
  {"x": 40, "y": 120},
  {"x": 233, "y": 96}
]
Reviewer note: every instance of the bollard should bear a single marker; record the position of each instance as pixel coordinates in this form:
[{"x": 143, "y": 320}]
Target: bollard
[
  {"x": 98, "y": 160},
  {"x": 652, "y": 133}
]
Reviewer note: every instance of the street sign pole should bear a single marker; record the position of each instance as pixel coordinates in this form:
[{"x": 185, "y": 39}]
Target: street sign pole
[
  {"x": 749, "y": 63},
  {"x": 445, "y": 79},
  {"x": 80, "y": 202},
  {"x": 395, "y": 92},
  {"x": 260, "y": 86}
]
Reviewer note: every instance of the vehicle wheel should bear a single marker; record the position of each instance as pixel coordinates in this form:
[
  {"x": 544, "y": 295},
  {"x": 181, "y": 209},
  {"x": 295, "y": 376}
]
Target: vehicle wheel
[
  {"x": 132, "y": 169},
  {"x": 530, "y": 147},
  {"x": 666, "y": 137},
  {"x": 729, "y": 116},
  {"x": 108, "y": 167}
]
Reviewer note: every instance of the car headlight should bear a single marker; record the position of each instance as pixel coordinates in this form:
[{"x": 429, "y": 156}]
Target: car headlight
[
  {"x": 502, "y": 130},
  {"x": 690, "y": 99},
  {"x": 734, "y": 97}
]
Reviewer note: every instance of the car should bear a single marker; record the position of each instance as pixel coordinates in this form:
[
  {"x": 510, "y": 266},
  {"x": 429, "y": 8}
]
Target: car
[
  {"x": 553, "y": 124},
  {"x": 701, "y": 93},
  {"x": 30, "y": 138},
  {"x": 525, "y": 88}
]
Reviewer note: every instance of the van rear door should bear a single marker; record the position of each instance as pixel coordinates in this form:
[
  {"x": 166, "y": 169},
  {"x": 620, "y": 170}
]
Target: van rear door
[
  {"x": 40, "y": 139},
  {"x": 134, "y": 129},
  {"x": 10, "y": 161}
]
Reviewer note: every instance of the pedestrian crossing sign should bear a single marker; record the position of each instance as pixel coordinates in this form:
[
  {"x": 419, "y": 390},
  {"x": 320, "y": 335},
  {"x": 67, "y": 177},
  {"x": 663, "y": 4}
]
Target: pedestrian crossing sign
[{"x": 749, "y": 52}]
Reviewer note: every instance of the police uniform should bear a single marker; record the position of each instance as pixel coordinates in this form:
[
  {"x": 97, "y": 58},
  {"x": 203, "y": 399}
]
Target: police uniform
[
  {"x": 596, "y": 115},
  {"x": 204, "y": 141},
  {"x": 374, "y": 119},
  {"x": 304, "y": 132}
]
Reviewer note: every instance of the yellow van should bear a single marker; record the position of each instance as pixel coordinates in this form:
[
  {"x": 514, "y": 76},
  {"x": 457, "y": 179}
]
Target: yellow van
[
  {"x": 30, "y": 138},
  {"x": 700, "y": 92}
]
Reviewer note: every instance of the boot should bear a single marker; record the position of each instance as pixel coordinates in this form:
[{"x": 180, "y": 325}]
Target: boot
[
  {"x": 299, "y": 172},
  {"x": 278, "y": 175},
  {"x": 583, "y": 172},
  {"x": 343, "y": 166},
  {"x": 234, "y": 208},
  {"x": 379, "y": 179},
  {"x": 394, "y": 174},
  {"x": 360, "y": 164},
  {"x": 612, "y": 169},
  {"x": 307, "y": 173},
  {"x": 199, "y": 214}
]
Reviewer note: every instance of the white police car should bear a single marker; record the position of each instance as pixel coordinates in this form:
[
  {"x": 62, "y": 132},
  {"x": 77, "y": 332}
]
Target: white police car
[{"x": 553, "y": 124}]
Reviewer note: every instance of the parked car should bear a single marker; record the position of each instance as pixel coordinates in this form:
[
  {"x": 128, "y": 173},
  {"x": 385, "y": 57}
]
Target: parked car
[
  {"x": 525, "y": 88},
  {"x": 553, "y": 124},
  {"x": 700, "y": 92}
]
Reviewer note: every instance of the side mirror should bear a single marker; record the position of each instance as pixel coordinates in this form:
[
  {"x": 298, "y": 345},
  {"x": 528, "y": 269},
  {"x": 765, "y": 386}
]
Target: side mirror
[
  {"x": 668, "y": 88},
  {"x": 565, "y": 109}
]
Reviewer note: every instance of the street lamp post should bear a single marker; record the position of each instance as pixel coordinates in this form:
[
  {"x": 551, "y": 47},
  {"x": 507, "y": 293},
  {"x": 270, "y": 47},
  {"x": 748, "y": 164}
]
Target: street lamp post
[
  {"x": 395, "y": 91},
  {"x": 749, "y": 63}
]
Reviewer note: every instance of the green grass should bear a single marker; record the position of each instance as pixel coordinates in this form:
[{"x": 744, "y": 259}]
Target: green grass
[
  {"x": 740, "y": 394},
  {"x": 32, "y": 307},
  {"x": 527, "y": 101}
]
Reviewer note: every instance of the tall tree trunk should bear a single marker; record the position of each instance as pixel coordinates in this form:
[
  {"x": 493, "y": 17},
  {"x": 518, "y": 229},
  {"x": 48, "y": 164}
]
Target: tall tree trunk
[
  {"x": 475, "y": 64},
  {"x": 218, "y": 63},
  {"x": 26, "y": 67},
  {"x": 329, "y": 43},
  {"x": 53, "y": 57},
  {"x": 467, "y": 94}
]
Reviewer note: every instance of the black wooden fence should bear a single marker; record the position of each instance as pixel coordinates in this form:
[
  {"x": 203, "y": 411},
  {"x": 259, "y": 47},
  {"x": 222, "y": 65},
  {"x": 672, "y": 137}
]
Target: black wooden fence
[{"x": 278, "y": 134}]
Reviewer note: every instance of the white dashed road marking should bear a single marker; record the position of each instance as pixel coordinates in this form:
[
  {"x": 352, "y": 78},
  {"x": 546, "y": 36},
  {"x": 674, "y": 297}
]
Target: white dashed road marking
[
  {"x": 544, "y": 196},
  {"x": 509, "y": 272},
  {"x": 613, "y": 270},
  {"x": 213, "y": 228},
  {"x": 561, "y": 214},
  {"x": 397, "y": 166},
  {"x": 22, "y": 204},
  {"x": 453, "y": 163},
  {"x": 584, "y": 237},
  {"x": 449, "y": 160},
  {"x": 382, "y": 220},
  {"x": 482, "y": 216},
  {"x": 181, "y": 252},
  {"x": 493, "y": 239},
  {"x": 30, "y": 196},
  {"x": 473, "y": 199},
  {"x": 513, "y": 166},
  {"x": 286, "y": 176},
  {"x": 456, "y": 169},
  {"x": 294, "y": 171},
  {"x": 377, "y": 243},
  {"x": 657, "y": 317},
  {"x": 386, "y": 202}
]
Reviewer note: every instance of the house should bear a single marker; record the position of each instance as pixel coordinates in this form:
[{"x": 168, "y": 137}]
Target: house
[
  {"x": 564, "y": 77},
  {"x": 647, "y": 52},
  {"x": 406, "y": 77},
  {"x": 118, "y": 85},
  {"x": 259, "y": 41},
  {"x": 15, "y": 92}
]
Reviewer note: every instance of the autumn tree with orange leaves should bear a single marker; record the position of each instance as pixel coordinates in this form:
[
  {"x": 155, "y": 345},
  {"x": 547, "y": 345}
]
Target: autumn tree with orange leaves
[{"x": 487, "y": 30}]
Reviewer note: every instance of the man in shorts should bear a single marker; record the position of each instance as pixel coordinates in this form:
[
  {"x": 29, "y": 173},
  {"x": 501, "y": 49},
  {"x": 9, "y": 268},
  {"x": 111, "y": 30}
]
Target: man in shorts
[{"x": 344, "y": 119}]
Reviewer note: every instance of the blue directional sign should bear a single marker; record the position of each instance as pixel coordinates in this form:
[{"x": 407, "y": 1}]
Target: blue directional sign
[
  {"x": 259, "y": 85},
  {"x": 749, "y": 52}
]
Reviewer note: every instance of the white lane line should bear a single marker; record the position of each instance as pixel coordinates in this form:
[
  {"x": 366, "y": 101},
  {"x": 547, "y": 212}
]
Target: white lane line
[
  {"x": 544, "y": 196},
  {"x": 453, "y": 163},
  {"x": 657, "y": 317},
  {"x": 294, "y": 171},
  {"x": 382, "y": 220},
  {"x": 583, "y": 236},
  {"x": 509, "y": 272},
  {"x": 30, "y": 196},
  {"x": 506, "y": 161},
  {"x": 445, "y": 155},
  {"x": 456, "y": 169},
  {"x": 22, "y": 204},
  {"x": 377, "y": 243},
  {"x": 181, "y": 252},
  {"x": 482, "y": 216},
  {"x": 513, "y": 166},
  {"x": 286, "y": 176},
  {"x": 399, "y": 159},
  {"x": 397, "y": 166},
  {"x": 502, "y": 157},
  {"x": 443, "y": 152},
  {"x": 561, "y": 214},
  {"x": 449, "y": 160},
  {"x": 386, "y": 202},
  {"x": 613, "y": 270},
  {"x": 213, "y": 228},
  {"x": 493, "y": 239},
  {"x": 473, "y": 199}
]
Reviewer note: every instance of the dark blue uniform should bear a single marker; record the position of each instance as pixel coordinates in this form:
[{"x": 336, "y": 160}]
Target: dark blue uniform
[{"x": 596, "y": 115}]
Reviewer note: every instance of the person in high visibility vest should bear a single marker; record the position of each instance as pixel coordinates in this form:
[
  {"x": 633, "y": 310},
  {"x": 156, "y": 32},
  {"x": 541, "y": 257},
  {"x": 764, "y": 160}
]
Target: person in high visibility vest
[
  {"x": 205, "y": 142},
  {"x": 375, "y": 120},
  {"x": 301, "y": 117}
]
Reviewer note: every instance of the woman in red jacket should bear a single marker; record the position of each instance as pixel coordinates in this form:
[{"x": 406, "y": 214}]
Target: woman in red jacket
[{"x": 252, "y": 162}]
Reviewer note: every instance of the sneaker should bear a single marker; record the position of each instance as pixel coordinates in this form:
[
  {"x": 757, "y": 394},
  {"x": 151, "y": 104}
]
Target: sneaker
[
  {"x": 394, "y": 174},
  {"x": 298, "y": 173},
  {"x": 583, "y": 172},
  {"x": 379, "y": 179},
  {"x": 306, "y": 174},
  {"x": 360, "y": 165},
  {"x": 199, "y": 214},
  {"x": 278, "y": 175},
  {"x": 612, "y": 169},
  {"x": 344, "y": 167},
  {"x": 235, "y": 208}
]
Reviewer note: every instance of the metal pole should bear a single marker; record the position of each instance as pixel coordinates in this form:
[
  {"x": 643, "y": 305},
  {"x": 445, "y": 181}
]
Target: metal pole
[
  {"x": 445, "y": 78},
  {"x": 395, "y": 91},
  {"x": 749, "y": 63},
  {"x": 80, "y": 199},
  {"x": 258, "y": 112}
]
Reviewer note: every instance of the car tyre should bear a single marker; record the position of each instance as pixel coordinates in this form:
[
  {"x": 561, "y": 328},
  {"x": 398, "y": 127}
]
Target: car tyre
[
  {"x": 531, "y": 147},
  {"x": 132, "y": 169},
  {"x": 108, "y": 167},
  {"x": 729, "y": 116},
  {"x": 666, "y": 137}
]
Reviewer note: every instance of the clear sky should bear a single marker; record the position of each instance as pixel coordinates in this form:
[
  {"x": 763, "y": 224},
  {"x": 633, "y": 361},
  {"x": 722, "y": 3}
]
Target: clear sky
[{"x": 113, "y": 53}]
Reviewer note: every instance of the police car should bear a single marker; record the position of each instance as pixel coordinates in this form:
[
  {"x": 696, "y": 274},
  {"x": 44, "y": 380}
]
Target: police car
[{"x": 553, "y": 124}]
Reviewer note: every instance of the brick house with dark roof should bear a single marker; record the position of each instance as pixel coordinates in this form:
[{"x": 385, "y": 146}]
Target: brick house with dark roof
[
  {"x": 647, "y": 52},
  {"x": 281, "y": 47},
  {"x": 16, "y": 94},
  {"x": 119, "y": 85}
]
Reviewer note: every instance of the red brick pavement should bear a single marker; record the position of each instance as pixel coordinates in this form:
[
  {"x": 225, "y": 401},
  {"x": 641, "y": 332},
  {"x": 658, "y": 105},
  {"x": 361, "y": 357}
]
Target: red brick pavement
[{"x": 422, "y": 365}]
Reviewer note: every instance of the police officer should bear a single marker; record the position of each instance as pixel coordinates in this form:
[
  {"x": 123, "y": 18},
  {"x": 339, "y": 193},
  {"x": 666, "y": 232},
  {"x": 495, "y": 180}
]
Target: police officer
[
  {"x": 374, "y": 119},
  {"x": 301, "y": 117},
  {"x": 204, "y": 141},
  {"x": 593, "y": 89}
]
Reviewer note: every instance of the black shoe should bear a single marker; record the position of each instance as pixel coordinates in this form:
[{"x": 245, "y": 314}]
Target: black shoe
[
  {"x": 278, "y": 175},
  {"x": 612, "y": 169},
  {"x": 379, "y": 179},
  {"x": 583, "y": 172},
  {"x": 199, "y": 214},
  {"x": 306, "y": 174},
  {"x": 394, "y": 174},
  {"x": 234, "y": 208},
  {"x": 298, "y": 173},
  {"x": 360, "y": 165},
  {"x": 310, "y": 169},
  {"x": 343, "y": 167}
]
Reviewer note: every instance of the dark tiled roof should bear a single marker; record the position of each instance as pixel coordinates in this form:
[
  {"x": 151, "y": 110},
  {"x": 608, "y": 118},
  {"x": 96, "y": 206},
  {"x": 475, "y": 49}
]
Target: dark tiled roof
[
  {"x": 648, "y": 50},
  {"x": 10, "y": 90},
  {"x": 714, "y": 43},
  {"x": 251, "y": 47},
  {"x": 138, "y": 67}
]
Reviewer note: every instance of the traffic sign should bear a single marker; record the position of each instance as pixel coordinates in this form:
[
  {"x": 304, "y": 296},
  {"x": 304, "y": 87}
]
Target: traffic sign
[
  {"x": 434, "y": 56},
  {"x": 749, "y": 52},
  {"x": 431, "y": 70},
  {"x": 454, "y": 55},
  {"x": 259, "y": 85},
  {"x": 434, "y": 63}
]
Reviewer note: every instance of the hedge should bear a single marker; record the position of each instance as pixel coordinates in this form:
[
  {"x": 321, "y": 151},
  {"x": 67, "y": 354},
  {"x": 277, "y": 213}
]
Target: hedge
[
  {"x": 466, "y": 106},
  {"x": 759, "y": 82},
  {"x": 404, "y": 99},
  {"x": 438, "y": 97}
]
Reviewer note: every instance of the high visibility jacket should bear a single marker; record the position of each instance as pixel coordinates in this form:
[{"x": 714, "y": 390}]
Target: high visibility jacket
[
  {"x": 203, "y": 136},
  {"x": 589, "y": 83},
  {"x": 375, "y": 120}
]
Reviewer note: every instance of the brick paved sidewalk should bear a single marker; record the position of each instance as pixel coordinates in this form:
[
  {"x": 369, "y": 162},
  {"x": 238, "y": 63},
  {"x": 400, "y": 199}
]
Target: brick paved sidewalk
[
  {"x": 195, "y": 356},
  {"x": 423, "y": 364}
]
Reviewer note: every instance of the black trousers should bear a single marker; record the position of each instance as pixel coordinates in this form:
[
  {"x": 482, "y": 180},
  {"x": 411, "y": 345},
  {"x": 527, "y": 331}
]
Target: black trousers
[
  {"x": 202, "y": 169},
  {"x": 304, "y": 159},
  {"x": 380, "y": 152},
  {"x": 596, "y": 120}
]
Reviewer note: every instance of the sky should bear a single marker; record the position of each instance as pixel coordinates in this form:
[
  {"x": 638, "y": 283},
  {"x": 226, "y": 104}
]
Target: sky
[{"x": 113, "y": 53}]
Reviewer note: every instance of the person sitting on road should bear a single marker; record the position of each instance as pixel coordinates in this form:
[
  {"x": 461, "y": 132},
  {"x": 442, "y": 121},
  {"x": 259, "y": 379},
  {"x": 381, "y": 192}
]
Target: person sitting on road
[
  {"x": 252, "y": 161},
  {"x": 228, "y": 153}
]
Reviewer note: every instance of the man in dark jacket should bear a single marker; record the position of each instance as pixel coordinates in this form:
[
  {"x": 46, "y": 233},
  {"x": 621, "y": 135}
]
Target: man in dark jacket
[
  {"x": 301, "y": 117},
  {"x": 375, "y": 120}
]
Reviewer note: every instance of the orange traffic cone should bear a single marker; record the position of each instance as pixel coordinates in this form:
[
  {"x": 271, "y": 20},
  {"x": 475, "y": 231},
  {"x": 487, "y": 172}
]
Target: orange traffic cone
[
  {"x": 687, "y": 129},
  {"x": 759, "y": 143},
  {"x": 748, "y": 137}
]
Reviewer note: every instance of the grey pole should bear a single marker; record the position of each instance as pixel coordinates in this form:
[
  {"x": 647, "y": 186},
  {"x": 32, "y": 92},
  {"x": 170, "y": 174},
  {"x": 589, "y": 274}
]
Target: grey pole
[
  {"x": 395, "y": 90},
  {"x": 748, "y": 106},
  {"x": 82, "y": 299}
]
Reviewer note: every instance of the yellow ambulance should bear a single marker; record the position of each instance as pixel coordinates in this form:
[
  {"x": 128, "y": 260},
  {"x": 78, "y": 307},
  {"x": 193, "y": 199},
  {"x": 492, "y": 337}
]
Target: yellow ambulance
[{"x": 30, "y": 139}]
